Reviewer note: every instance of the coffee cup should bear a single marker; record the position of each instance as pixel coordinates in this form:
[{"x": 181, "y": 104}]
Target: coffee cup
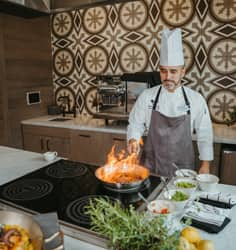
[{"x": 50, "y": 156}]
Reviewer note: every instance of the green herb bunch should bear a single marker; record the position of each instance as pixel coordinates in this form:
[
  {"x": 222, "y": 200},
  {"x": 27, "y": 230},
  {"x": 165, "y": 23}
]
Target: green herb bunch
[
  {"x": 127, "y": 229},
  {"x": 232, "y": 117}
]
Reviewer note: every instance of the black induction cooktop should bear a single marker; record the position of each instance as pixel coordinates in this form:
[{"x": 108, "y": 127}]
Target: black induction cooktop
[{"x": 66, "y": 187}]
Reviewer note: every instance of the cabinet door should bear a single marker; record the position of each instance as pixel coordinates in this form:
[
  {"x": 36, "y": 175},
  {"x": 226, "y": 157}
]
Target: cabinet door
[
  {"x": 61, "y": 145},
  {"x": 119, "y": 140},
  {"x": 33, "y": 143},
  {"x": 90, "y": 147}
]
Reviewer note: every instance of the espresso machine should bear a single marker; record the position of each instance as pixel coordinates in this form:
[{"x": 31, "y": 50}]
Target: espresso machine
[
  {"x": 111, "y": 98},
  {"x": 117, "y": 94}
]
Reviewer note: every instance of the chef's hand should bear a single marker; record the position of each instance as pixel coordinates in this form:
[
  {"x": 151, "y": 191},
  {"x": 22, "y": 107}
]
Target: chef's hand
[
  {"x": 133, "y": 146},
  {"x": 205, "y": 168}
]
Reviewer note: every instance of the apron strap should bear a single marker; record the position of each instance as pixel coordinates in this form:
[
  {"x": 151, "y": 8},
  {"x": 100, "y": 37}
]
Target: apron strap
[
  {"x": 157, "y": 98},
  {"x": 186, "y": 100}
]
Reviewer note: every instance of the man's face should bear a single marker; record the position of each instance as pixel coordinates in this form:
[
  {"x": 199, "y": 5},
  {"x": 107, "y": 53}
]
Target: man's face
[{"x": 171, "y": 76}]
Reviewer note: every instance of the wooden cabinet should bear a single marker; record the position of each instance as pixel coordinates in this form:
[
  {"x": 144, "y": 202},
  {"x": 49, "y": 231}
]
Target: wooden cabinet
[
  {"x": 41, "y": 139},
  {"x": 119, "y": 140},
  {"x": 89, "y": 146}
]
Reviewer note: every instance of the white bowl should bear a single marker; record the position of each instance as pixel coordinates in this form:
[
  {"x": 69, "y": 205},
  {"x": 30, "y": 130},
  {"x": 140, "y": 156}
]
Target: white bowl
[
  {"x": 158, "y": 207},
  {"x": 178, "y": 204},
  {"x": 186, "y": 180},
  {"x": 186, "y": 173},
  {"x": 207, "y": 182}
]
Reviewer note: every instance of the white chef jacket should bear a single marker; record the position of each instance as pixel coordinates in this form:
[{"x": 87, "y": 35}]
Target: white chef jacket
[{"x": 173, "y": 105}]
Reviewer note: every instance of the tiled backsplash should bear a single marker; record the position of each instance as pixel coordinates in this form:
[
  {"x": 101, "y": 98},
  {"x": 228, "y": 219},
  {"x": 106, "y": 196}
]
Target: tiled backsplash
[{"x": 125, "y": 37}]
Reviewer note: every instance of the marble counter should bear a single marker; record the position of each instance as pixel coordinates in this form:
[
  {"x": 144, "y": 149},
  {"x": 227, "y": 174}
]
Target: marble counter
[
  {"x": 16, "y": 163},
  {"x": 222, "y": 133},
  {"x": 80, "y": 122}
]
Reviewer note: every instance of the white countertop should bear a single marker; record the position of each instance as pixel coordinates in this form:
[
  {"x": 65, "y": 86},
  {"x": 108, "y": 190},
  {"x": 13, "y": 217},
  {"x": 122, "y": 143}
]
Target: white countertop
[
  {"x": 16, "y": 163},
  {"x": 222, "y": 133}
]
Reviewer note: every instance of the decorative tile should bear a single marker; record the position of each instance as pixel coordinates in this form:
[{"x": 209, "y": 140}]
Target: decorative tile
[
  {"x": 96, "y": 60},
  {"x": 62, "y": 24},
  {"x": 63, "y": 62},
  {"x": 202, "y": 8},
  {"x": 223, "y": 11},
  {"x": 201, "y": 57},
  {"x": 133, "y": 36},
  {"x": 95, "y": 19},
  {"x": 177, "y": 13},
  {"x": 154, "y": 11},
  {"x": 64, "y": 81},
  {"x": 133, "y": 15},
  {"x": 62, "y": 43},
  {"x": 80, "y": 101},
  {"x": 154, "y": 57},
  {"x": 113, "y": 16},
  {"x": 95, "y": 40},
  {"x": 91, "y": 100},
  {"x": 222, "y": 56},
  {"x": 114, "y": 59},
  {"x": 77, "y": 21},
  {"x": 226, "y": 30},
  {"x": 133, "y": 58},
  {"x": 220, "y": 103},
  {"x": 224, "y": 82}
]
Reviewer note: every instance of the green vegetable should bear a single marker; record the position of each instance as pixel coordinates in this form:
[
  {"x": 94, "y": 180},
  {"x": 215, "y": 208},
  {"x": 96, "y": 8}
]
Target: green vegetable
[
  {"x": 179, "y": 196},
  {"x": 128, "y": 229},
  {"x": 184, "y": 184}
]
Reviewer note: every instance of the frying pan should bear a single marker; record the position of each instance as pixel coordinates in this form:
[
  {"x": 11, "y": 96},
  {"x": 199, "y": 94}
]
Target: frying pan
[
  {"x": 124, "y": 187},
  {"x": 26, "y": 222}
]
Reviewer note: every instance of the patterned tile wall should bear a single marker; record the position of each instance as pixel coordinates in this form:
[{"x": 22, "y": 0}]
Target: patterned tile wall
[{"x": 125, "y": 37}]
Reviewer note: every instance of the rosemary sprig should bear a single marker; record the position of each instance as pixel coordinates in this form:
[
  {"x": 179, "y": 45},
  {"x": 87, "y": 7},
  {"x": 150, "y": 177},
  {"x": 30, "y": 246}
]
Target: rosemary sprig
[{"x": 127, "y": 229}]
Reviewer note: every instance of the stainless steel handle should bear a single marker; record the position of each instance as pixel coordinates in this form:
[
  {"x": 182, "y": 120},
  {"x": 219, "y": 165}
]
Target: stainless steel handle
[{"x": 229, "y": 152}]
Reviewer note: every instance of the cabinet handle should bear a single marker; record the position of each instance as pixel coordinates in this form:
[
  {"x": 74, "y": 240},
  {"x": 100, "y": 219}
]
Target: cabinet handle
[
  {"x": 41, "y": 143},
  {"x": 87, "y": 136},
  {"x": 118, "y": 139},
  {"x": 47, "y": 142}
]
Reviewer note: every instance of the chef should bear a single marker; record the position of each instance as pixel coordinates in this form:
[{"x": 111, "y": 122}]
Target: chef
[{"x": 169, "y": 113}]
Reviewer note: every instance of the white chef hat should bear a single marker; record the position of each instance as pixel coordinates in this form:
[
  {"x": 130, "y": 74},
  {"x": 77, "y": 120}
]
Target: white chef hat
[{"x": 171, "y": 53}]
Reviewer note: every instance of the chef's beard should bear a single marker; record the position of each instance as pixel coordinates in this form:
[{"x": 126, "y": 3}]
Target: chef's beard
[{"x": 170, "y": 85}]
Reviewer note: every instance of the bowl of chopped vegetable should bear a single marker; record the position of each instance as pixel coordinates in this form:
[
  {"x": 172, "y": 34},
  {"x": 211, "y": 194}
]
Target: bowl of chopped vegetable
[
  {"x": 161, "y": 207},
  {"x": 186, "y": 184},
  {"x": 178, "y": 197}
]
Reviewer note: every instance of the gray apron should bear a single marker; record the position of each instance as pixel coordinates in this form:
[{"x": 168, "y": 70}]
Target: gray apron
[{"x": 169, "y": 141}]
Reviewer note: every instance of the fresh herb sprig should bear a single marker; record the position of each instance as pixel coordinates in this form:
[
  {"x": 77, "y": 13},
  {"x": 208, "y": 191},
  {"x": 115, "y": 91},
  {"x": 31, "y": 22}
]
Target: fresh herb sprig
[{"x": 127, "y": 229}]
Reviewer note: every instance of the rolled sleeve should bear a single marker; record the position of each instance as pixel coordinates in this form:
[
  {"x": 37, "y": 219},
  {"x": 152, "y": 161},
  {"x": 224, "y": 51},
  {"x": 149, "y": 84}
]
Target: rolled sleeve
[
  {"x": 137, "y": 119},
  {"x": 203, "y": 126}
]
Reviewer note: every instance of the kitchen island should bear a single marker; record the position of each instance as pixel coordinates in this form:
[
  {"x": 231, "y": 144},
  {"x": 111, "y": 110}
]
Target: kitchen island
[{"x": 16, "y": 163}]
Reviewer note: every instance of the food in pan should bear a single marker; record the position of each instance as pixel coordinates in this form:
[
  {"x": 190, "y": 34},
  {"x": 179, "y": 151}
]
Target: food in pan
[{"x": 14, "y": 237}]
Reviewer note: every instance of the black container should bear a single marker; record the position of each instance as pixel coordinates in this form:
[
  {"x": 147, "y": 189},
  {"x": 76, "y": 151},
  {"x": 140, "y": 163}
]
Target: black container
[{"x": 54, "y": 110}]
